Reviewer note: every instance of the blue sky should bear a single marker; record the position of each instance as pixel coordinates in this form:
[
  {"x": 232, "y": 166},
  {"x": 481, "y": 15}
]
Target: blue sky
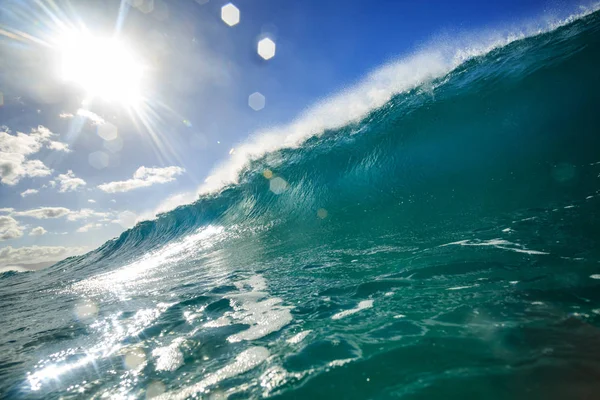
[{"x": 65, "y": 189}]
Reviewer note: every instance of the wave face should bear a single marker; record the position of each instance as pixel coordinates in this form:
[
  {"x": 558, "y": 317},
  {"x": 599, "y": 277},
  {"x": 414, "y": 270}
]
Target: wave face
[{"x": 445, "y": 245}]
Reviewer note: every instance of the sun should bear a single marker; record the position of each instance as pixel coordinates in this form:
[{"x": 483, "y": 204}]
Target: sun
[{"x": 104, "y": 67}]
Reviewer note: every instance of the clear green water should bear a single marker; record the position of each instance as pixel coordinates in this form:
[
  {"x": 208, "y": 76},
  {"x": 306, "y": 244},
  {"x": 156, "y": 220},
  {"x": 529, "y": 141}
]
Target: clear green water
[{"x": 446, "y": 246}]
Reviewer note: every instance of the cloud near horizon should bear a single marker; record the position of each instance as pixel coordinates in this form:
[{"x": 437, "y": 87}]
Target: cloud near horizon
[
  {"x": 36, "y": 254},
  {"x": 43, "y": 212},
  {"x": 59, "y": 212}
]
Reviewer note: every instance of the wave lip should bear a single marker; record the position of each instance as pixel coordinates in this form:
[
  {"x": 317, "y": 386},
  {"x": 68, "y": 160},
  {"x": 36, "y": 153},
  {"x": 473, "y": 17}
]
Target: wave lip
[{"x": 356, "y": 102}]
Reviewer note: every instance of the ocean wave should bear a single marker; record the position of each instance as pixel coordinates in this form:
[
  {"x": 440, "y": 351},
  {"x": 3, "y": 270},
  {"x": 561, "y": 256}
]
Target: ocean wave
[
  {"x": 356, "y": 102},
  {"x": 342, "y": 155}
]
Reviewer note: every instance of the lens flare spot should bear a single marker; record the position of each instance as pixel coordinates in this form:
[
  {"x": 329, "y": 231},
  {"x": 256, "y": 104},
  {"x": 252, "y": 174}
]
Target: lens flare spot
[
  {"x": 86, "y": 311},
  {"x": 256, "y": 101},
  {"x": 134, "y": 359},
  {"x": 266, "y": 48},
  {"x": 114, "y": 146},
  {"x": 267, "y": 173},
  {"x": 322, "y": 213},
  {"x": 107, "y": 131},
  {"x": 127, "y": 219},
  {"x": 98, "y": 159},
  {"x": 278, "y": 185},
  {"x": 230, "y": 14},
  {"x": 155, "y": 389}
]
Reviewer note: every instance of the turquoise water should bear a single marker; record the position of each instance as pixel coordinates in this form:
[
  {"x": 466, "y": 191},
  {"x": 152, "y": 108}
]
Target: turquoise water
[{"x": 447, "y": 245}]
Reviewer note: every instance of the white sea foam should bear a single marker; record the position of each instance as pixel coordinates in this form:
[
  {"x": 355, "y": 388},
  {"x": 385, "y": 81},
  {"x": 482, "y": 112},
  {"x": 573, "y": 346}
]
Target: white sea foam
[
  {"x": 264, "y": 317},
  {"x": 361, "y": 306},
  {"x": 299, "y": 337},
  {"x": 263, "y": 314},
  {"x": 169, "y": 358},
  {"x": 461, "y": 287},
  {"x": 244, "y": 362},
  {"x": 497, "y": 243}
]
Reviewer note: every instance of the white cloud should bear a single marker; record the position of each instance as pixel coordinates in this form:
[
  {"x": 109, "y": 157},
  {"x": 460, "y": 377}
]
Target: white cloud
[
  {"x": 143, "y": 177},
  {"x": 36, "y": 254},
  {"x": 86, "y": 213},
  {"x": 91, "y": 201},
  {"x": 15, "y": 150},
  {"x": 69, "y": 182},
  {"x": 28, "y": 192},
  {"x": 44, "y": 212},
  {"x": 39, "y": 231},
  {"x": 9, "y": 228},
  {"x": 59, "y": 146},
  {"x": 13, "y": 167},
  {"x": 59, "y": 212},
  {"x": 95, "y": 118},
  {"x": 7, "y": 210},
  {"x": 90, "y": 226}
]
